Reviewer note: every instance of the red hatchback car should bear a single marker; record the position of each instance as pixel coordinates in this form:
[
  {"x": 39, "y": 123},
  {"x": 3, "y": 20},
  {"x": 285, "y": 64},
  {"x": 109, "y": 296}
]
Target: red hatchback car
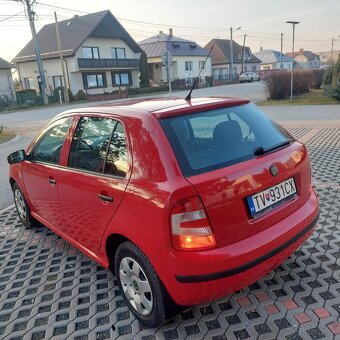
[{"x": 184, "y": 201}]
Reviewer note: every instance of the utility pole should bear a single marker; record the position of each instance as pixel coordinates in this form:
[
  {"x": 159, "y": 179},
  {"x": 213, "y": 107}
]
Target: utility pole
[
  {"x": 292, "y": 73},
  {"x": 281, "y": 51},
  {"x": 67, "y": 100},
  {"x": 30, "y": 14},
  {"x": 332, "y": 51},
  {"x": 244, "y": 42},
  {"x": 232, "y": 53}
]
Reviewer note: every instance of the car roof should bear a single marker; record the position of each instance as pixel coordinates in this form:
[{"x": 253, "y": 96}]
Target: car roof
[{"x": 162, "y": 107}]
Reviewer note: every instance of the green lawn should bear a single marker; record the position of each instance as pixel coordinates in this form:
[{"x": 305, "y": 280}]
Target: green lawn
[{"x": 314, "y": 97}]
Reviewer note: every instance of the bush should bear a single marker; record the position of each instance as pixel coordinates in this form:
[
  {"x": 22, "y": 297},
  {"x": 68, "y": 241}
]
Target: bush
[
  {"x": 56, "y": 97},
  {"x": 278, "y": 85},
  {"x": 80, "y": 95},
  {"x": 317, "y": 78},
  {"x": 332, "y": 82}
]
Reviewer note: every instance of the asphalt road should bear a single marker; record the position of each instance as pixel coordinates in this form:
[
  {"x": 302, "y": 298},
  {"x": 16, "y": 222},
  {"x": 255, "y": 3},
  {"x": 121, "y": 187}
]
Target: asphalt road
[{"x": 26, "y": 123}]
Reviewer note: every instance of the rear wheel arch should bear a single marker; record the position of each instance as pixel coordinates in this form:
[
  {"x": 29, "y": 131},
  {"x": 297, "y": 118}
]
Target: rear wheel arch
[{"x": 112, "y": 244}]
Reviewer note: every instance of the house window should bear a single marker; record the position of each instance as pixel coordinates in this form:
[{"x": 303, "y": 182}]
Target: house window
[
  {"x": 216, "y": 74},
  {"x": 189, "y": 81},
  {"x": 93, "y": 80},
  {"x": 118, "y": 53},
  {"x": 90, "y": 52},
  {"x": 28, "y": 83},
  {"x": 188, "y": 65},
  {"x": 245, "y": 69},
  {"x": 58, "y": 81},
  {"x": 253, "y": 68},
  {"x": 201, "y": 65},
  {"x": 121, "y": 78}
]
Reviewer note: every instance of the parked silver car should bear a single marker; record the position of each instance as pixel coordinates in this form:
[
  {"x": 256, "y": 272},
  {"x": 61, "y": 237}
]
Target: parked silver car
[{"x": 249, "y": 77}]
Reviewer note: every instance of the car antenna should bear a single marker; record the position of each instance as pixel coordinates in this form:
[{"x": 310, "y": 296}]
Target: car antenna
[{"x": 188, "y": 97}]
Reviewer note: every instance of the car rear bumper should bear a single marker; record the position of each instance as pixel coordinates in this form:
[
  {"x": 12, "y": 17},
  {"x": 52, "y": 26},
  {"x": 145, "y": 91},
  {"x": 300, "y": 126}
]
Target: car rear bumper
[{"x": 196, "y": 277}]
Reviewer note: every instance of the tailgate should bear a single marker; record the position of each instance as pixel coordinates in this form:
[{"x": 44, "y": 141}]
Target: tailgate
[{"x": 226, "y": 192}]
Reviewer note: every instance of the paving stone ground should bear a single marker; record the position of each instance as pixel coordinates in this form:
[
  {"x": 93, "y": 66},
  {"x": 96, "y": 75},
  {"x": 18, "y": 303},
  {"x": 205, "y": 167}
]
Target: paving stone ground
[{"x": 49, "y": 290}]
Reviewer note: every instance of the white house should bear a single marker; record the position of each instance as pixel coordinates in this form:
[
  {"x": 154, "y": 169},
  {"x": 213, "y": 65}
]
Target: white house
[
  {"x": 6, "y": 83},
  {"x": 305, "y": 59},
  {"x": 99, "y": 55},
  {"x": 188, "y": 58},
  {"x": 273, "y": 60}
]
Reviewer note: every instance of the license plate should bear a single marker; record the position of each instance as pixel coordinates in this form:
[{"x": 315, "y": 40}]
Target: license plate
[{"x": 271, "y": 198}]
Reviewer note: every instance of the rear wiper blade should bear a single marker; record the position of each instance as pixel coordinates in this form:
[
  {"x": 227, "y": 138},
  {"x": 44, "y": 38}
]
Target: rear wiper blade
[{"x": 261, "y": 150}]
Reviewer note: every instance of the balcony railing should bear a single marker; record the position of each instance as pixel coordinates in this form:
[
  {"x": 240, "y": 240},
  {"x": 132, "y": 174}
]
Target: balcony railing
[{"x": 107, "y": 63}]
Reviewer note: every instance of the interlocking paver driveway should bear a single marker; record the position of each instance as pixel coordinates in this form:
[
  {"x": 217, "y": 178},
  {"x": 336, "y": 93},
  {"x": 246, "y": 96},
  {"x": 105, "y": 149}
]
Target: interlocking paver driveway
[{"x": 50, "y": 290}]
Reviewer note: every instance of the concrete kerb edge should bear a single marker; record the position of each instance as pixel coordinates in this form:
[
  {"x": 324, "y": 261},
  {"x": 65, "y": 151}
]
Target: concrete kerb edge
[
  {"x": 8, "y": 208},
  {"x": 13, "y": 140}
]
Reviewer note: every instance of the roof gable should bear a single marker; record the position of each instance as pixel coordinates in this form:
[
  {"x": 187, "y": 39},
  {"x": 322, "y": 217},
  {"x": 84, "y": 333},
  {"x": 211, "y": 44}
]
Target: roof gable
[
  {"x": 221, "y": 52},
  {"x": 73, "y": 32},
  {"x": 5, "y": 65}
]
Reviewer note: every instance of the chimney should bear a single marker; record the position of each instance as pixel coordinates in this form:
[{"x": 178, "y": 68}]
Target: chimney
[
  {"x": 160, "y": 32},
  {"x": 170, "y": 32},
  {"x": 76, "y": 16},
  {"x": 301, "y": 50},
  {"x": 261, "y": 48}
]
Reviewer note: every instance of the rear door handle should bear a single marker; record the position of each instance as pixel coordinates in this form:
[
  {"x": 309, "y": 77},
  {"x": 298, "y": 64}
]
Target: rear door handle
[
  {"x": 52, "y": 181},
  {"x": 105, "y": 198}
]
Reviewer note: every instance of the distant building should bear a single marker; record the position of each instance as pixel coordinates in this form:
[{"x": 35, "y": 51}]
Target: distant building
[
  {"x": 221, "y": 61},
  {"x": 305, "y": 59},
  {"x": 188, "y": 58},
  {"x": 99, "y": 55},
  {"x": 6, "y": 82},
  {"x": 329, "y": 58},
  {"x": 273, "y": 60}
]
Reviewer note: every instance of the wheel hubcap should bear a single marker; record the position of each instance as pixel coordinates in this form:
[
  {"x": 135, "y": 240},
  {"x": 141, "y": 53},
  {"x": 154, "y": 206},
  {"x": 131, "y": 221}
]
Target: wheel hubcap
[
  {"x": 20, "y": 205},
  {"x": 136, "y": 286}
]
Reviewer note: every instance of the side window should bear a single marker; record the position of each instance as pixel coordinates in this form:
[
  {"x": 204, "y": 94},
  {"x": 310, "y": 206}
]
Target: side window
[
  {"x": 90, "y": 143},
  {"x": 117, "y": 157},
  {"x": 48, "y": 148}
]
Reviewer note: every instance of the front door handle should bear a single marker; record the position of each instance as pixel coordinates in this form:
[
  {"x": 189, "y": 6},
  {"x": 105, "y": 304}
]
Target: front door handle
[
  {"x": 52, "y": 181},
  {"x": 105, "y": 198}
]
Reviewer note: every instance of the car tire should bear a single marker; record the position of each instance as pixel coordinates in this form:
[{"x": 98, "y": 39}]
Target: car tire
[
  {"x": 141, "y": 288},
  {"x": 22, "y": 208}
]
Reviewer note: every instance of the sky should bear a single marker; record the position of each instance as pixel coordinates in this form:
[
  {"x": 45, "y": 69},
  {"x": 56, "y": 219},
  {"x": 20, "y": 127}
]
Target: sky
[{"x": 262, "y": 21}]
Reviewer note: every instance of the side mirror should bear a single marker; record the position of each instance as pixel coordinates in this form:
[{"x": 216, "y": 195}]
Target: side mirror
[{"x": 16, "y": 157}]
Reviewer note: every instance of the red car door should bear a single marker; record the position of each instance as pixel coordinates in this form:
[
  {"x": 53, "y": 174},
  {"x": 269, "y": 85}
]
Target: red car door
[
  {"x": 41, "y": 172},
  {"x": 92, "y": 185}
]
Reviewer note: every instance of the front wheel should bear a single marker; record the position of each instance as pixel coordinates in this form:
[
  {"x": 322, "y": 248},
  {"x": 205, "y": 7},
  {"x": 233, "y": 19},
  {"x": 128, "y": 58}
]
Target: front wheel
[
  {"x": 22, "y": 208},
  {"x": 144, "y": 293}
]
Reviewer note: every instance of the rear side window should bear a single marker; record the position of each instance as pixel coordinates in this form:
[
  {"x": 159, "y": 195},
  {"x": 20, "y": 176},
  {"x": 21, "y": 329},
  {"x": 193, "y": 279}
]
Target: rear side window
[
  {"x": 98, "y": 145},
  {"x": 210, "y": 140}
]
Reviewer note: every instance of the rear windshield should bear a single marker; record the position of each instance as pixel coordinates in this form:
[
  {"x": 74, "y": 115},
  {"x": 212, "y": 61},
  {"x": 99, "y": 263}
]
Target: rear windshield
[{"x": 210, "y": 140}]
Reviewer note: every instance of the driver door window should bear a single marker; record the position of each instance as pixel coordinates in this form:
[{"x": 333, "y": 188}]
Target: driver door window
[{"x": 48, "y": 148}]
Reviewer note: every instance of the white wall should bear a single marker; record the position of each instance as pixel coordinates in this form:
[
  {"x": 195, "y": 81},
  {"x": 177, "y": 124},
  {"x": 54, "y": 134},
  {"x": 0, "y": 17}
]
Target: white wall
[
  {"x": 104, "y": 45},
  {"x": 183, "y": 74},
  {"x": 6, "y": 84},
  {"x": 52, "y": 67}
]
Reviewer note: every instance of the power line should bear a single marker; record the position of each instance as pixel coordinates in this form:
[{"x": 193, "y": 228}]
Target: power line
[{"x": 12, "y": 16}]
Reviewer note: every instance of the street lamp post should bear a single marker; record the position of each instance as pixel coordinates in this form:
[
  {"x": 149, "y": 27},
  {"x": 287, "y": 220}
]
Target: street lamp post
[
  {"x": 291, "y": 74},
  {"x": 231, "y": 52}
]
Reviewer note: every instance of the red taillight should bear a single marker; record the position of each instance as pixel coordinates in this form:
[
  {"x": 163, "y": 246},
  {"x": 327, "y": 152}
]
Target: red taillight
[{"x": 190, "y": 226}]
